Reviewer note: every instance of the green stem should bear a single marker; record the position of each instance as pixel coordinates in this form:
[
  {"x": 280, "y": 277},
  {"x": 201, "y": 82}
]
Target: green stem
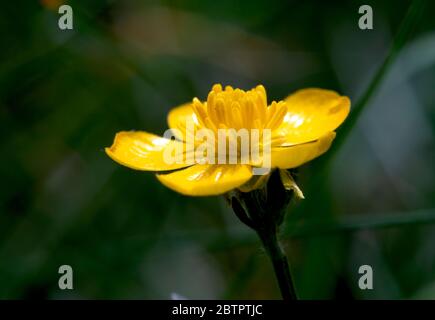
[
  {"x": 266, "y": 229},
  {"x": 263, "y": 210},
  {"x": 280, "y": 265}
]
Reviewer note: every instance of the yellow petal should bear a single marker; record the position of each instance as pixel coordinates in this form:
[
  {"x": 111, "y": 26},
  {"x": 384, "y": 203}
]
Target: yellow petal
[
  {"x": 311, "y": 114},
  {"x": 294, "y": 156},
  {"x": 206, "y": 180},
  {"x": 144, "y": 151},
  {"x": 178, "y": 117}
]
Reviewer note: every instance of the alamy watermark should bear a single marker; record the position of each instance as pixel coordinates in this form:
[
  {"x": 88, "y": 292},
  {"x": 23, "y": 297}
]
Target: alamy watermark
[
  {"x": 65, "y": 21},
  {"x": 365, "y": 282},
  {"x": 221, "y": 146},
  {"x": 365, "y": 22},
  {"x": 66, "y": 278}
]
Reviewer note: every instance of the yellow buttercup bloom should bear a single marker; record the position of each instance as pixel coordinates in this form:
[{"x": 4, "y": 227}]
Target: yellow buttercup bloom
[{"x": 301, "y": 126}]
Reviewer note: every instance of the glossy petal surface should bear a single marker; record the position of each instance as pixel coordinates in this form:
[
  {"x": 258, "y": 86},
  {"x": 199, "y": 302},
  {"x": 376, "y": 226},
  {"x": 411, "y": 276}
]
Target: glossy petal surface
[
  {"x": 178, "y": 117},
  {"x": 294, "y": 156},
  {"x": 206, "y": 180},
  {"x": 143, "y": 151},
  {"x": 311, "y": 114}
]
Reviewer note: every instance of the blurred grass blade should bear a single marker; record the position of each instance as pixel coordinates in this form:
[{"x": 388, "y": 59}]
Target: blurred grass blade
[
  {"x": 365, "y": 221},
  {"x": 241, "y": 236},
  {"x": 407, "y": 27}
]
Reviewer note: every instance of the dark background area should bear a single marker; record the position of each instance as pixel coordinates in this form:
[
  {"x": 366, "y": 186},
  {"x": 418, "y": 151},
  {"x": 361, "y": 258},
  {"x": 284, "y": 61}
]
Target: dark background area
[{"x": 64, "y": 95}]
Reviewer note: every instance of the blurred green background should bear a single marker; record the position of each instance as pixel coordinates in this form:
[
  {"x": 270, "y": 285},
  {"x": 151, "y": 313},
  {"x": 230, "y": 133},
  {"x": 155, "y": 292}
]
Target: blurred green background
[{"x": 64, "y": 95}]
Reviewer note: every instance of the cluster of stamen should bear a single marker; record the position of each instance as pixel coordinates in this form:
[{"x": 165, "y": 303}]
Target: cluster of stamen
[
  {"x": 240, "y": 124},
  {"x": 238, "y": 109}
]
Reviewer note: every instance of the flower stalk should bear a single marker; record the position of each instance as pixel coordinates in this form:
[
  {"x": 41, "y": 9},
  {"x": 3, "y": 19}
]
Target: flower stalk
[
  {"x": 263, "y": 210},
  {"x": 280, "y": 265}
]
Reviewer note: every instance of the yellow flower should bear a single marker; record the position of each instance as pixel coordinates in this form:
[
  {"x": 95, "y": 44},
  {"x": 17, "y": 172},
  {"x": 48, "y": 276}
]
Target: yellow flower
[{"x": 302, "y": 128}]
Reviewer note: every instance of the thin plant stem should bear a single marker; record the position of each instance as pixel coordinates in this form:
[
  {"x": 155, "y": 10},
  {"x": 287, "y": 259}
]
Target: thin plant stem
[
  {"x": 265, "y": 215},
  {"x": 280, "y": 265}
]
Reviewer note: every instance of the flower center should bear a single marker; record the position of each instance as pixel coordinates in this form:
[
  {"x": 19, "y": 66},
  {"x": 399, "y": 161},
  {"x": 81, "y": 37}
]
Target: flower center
[{"x": 238, "y": 109}]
